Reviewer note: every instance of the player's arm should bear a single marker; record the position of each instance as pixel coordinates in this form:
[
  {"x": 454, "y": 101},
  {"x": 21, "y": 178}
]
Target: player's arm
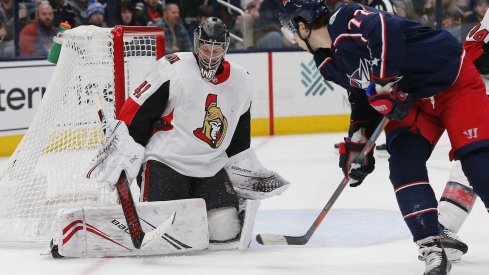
[
  {"x": 127, "y": 135},
  {"x": 482, "y": 62},
  {"x": 363, "y": 115},
  {"x": 476, "y": 45},
  {"x": 242, "y": 135},
  {"x": 382, "y": 35},
  {"x": 363, "y": 122},
  {"x": 147, "y": 102},
  {"x": 249, "y": 178}
]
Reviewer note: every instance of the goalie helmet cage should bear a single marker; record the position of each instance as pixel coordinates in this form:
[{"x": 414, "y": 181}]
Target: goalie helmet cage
[{"x": 47, "y": 170}]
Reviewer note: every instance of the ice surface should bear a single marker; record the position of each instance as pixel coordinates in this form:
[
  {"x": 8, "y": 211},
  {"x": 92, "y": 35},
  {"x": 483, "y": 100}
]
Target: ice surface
[{"x": 363, "y": 234}]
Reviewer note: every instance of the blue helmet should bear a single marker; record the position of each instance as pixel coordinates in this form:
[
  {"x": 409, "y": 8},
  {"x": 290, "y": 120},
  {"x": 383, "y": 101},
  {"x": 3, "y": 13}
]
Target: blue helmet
[{"x": 308, "y": 10}]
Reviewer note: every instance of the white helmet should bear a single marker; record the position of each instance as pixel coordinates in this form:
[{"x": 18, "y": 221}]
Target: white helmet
[{"x": 211, "y": 42}]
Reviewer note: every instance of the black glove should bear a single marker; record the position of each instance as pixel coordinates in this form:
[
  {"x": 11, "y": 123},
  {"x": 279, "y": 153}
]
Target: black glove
[
  {"x": 388, "y": 101},
  {"x": 349, "y": 152}
]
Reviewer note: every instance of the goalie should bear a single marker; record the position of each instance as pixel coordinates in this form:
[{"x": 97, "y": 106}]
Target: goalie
[{"x": 189, "y": 122}]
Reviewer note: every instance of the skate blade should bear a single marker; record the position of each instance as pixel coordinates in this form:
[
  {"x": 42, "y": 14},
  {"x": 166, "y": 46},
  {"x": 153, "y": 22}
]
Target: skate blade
[{"x": 454, "y": 255}]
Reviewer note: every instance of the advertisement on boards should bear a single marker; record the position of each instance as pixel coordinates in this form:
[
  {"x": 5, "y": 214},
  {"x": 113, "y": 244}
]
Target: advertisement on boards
[{"x": 22, "y": 85}]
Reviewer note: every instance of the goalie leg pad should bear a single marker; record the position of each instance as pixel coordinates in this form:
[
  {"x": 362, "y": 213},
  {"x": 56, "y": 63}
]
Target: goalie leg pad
[
  {"x": 248, "y": 221},
  {"x": 247, "y": 214},
  {"x": 457, "y": 175},
  {"x": 223, "y": 224},
  {"x": 457, "y": 200},
  {"x": 103, "y": 232}
]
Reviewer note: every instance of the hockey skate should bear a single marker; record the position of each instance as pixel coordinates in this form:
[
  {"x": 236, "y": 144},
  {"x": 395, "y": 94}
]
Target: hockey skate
[
  {"x": 433, "y": 254},
  {"x": 381, "y": 151},
  {"x": 453, "y": 245}
]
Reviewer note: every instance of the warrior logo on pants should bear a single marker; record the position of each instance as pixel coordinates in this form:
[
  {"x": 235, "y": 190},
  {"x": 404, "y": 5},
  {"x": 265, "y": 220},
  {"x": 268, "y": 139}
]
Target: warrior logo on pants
[{"x": 215, "y": 123}]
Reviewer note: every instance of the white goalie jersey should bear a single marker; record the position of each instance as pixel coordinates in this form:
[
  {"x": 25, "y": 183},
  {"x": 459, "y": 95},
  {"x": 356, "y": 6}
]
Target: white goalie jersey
[{"x": 191, "y": 140}]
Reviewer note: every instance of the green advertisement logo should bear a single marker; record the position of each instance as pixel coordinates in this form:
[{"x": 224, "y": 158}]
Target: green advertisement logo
[{"x": 313, "y": 81}]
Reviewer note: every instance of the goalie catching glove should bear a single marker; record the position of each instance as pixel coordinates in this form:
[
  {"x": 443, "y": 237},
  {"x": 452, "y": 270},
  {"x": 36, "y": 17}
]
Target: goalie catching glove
[
  {"x": 119, "y": 153},
  {"x": 349, "y": 151},
  {"x": 251, "y": 180}
]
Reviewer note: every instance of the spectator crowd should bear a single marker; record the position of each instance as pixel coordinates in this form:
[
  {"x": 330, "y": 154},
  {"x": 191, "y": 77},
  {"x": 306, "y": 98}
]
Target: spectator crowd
[{"x": 255, "y": 27}]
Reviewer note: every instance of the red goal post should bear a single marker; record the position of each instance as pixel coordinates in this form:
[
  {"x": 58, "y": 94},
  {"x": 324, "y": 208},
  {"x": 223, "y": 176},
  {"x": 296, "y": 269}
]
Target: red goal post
[{"x": 121, "y": 32}]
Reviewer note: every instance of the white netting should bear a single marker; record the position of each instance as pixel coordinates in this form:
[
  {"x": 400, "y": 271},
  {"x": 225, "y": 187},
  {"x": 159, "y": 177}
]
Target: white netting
[{"x": 47, "y": 170}]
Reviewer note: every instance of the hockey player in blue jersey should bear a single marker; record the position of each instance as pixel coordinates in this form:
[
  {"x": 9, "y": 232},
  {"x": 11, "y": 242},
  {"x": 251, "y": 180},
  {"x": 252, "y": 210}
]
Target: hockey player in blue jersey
[{"x": 418, "y": 78}]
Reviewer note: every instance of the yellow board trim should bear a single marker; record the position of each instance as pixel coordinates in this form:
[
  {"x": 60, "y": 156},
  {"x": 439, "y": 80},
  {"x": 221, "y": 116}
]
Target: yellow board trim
[
  {"x": 259, "y": 127},
  {"x": 8, "y": 144},
  {"x": 301, "y": 125}
]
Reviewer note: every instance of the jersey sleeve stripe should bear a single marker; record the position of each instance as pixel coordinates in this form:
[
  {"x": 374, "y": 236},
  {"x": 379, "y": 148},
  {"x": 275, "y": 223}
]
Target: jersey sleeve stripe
[
  {"x": 384, "y": 47},
  {"x": 128, "y": 111}
]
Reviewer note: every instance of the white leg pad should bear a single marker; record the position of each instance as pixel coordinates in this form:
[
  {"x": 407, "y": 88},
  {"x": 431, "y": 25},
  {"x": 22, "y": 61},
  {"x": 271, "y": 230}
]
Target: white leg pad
[
  {"x": 451, "y": 216},
  {"x": 457, "y": 174},
  {"x": 223, "y": 224},
  {"x": 250, "y": 208},
  {"x": 103, "y": 232}
]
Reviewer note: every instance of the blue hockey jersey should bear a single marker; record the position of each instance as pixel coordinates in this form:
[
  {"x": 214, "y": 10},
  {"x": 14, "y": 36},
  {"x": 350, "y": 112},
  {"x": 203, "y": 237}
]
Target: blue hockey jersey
[{"x": 370, "y": 43}]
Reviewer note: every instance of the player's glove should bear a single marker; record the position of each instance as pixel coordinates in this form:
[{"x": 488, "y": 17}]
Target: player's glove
[
  {"x": 251, "y": 180},
  {"x": 356, "y": 171},
  {"x": 387, "y": 100},
  {"x": 119, "y": 153}
]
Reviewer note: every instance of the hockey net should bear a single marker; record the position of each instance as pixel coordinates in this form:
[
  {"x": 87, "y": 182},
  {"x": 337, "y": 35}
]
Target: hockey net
[{"x": 47, "y": 170}]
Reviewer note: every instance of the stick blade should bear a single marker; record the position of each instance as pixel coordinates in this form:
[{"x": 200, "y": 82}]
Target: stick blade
[
  {"x": 158, "y": 232},
  {"x": 271, "y": 239}
]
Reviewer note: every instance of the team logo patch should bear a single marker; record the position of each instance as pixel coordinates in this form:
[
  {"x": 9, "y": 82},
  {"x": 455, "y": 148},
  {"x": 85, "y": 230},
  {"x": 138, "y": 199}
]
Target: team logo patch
[
  {"x": 360, "y": 78},
  {"x": 471, "y": 133},
  {"x": 215, "y": 124},
  {"x": 172, "y": 58}
]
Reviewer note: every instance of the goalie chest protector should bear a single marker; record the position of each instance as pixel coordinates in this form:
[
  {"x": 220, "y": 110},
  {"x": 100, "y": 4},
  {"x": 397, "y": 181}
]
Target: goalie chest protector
[{"x": 200, "y": 117}]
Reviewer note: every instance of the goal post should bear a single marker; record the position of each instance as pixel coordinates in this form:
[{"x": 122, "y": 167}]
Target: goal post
[
  {"x": 138, "y": 46},
  {"x": 47, "y": 170}
]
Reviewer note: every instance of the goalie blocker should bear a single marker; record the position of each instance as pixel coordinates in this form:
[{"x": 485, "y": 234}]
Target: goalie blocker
[{"x": 103, "y": 231}]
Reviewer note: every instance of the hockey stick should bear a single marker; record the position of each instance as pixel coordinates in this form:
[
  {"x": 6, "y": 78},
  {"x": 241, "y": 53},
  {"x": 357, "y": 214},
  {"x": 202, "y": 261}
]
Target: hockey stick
[
  {"x": 272, "y": 239},
  {"x": 140, "y": 239}
]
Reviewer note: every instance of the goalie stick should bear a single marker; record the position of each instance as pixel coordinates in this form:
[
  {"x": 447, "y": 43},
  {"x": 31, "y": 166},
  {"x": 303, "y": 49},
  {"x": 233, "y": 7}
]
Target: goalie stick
[
  {"x": 273, "y": 239},
  {"x": 140, "y": 239}
]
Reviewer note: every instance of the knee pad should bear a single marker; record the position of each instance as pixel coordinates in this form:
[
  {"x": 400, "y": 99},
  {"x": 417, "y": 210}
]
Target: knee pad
[{"x": 223, "y": 223}]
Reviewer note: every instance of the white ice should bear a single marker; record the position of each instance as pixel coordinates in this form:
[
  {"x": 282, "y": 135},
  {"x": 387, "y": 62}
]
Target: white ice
[{"x": 363, "y": 234}]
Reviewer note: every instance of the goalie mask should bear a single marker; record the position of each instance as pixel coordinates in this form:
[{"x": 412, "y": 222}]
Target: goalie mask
[{"x": 211, "y": 42}]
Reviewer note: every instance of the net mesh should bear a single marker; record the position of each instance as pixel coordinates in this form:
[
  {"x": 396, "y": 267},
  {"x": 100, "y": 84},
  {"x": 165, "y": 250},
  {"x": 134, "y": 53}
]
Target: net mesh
[{"x": 47, "y": 170}]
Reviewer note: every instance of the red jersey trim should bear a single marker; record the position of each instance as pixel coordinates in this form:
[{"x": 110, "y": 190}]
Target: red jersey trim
[
  {"x": 128, "y": 111},
  {"x": 224, "y": 75}
]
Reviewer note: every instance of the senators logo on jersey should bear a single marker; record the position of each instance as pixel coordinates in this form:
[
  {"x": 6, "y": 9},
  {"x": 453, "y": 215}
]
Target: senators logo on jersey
[{"x": 215, "y": 124}]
